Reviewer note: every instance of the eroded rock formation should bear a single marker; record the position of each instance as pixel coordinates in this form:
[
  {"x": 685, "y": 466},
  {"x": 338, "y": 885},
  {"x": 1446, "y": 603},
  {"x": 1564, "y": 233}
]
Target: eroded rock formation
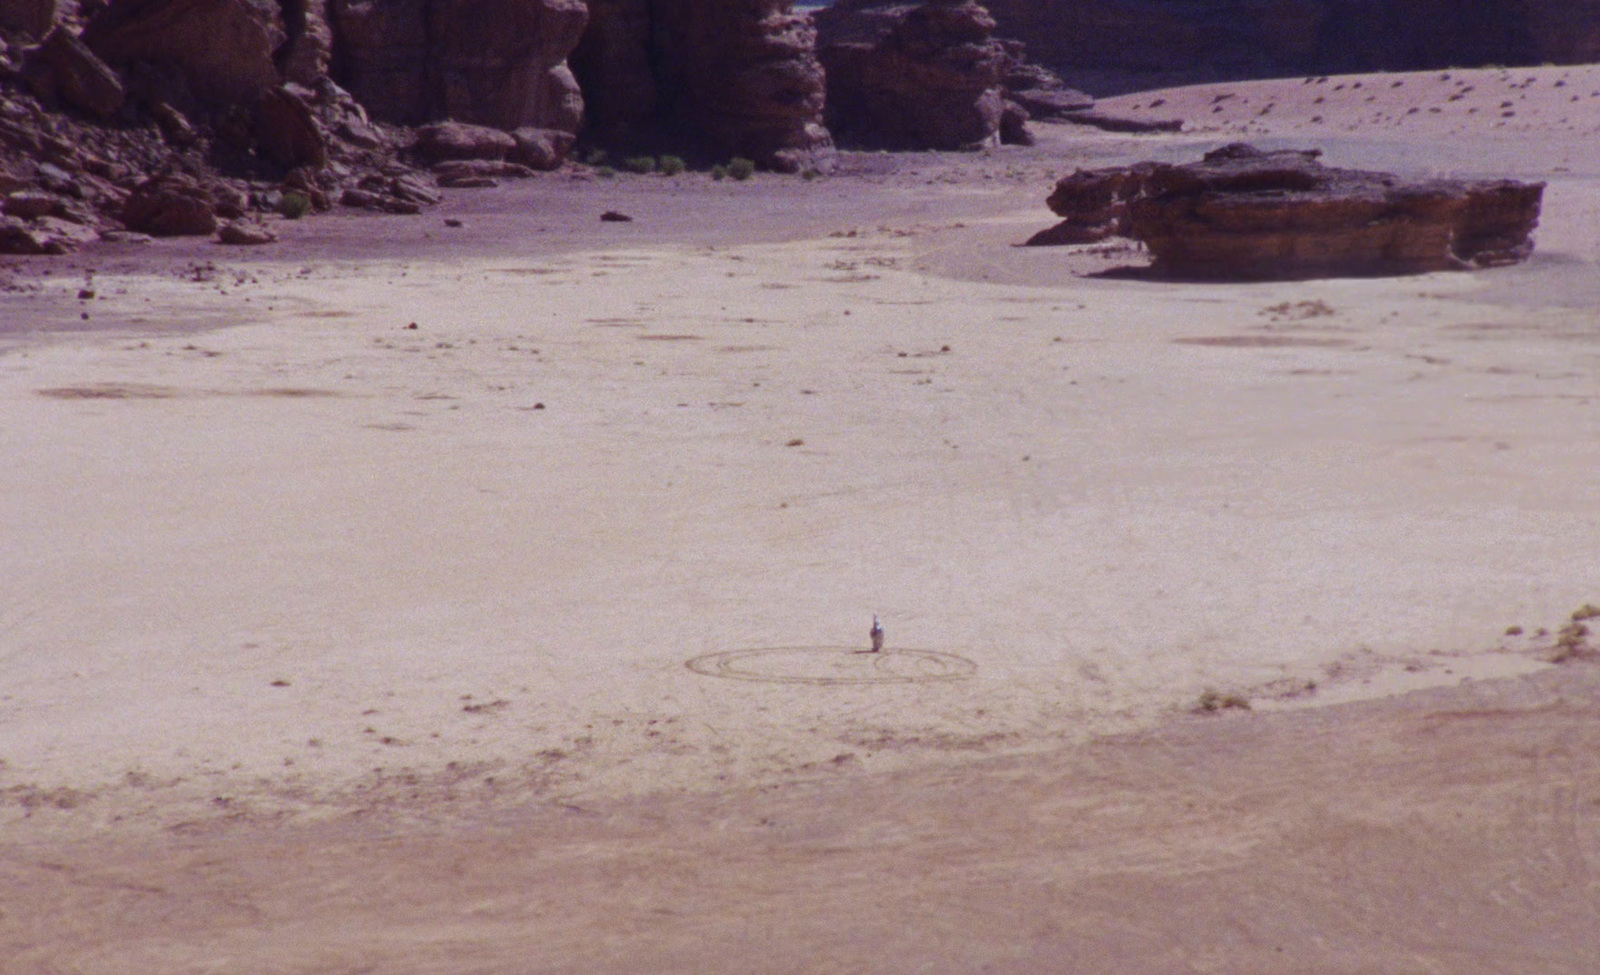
[
  {"x": 500, "y": 63},
  {"x": 1245, "y": 214},
  {"x": 923, "y": 75},
  {"x": 191, "y": 52},
  {"x": 743, "y": 75},
  {"x": 934, "y": 75}
]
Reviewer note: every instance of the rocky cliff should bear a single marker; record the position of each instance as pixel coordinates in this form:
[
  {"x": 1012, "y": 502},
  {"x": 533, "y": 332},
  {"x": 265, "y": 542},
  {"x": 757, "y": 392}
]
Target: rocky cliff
[
  {"x": 743, "y": 75},
  {"x": 1118, "y": 45},
  {"x": 501, "y": 63},
  {"x": 914, "y": 75}
]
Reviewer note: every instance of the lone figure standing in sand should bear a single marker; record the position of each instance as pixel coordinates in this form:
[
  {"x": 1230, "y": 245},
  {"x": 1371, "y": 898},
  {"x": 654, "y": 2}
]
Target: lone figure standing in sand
[{"x": 877, "y": 634}]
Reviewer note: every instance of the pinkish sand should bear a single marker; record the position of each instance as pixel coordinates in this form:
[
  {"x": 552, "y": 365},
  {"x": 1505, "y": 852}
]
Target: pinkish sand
[{"x": 331, "y": 644}]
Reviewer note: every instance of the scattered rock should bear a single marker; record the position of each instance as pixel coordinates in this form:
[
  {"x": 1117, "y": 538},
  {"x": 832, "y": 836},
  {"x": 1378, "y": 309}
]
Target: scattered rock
[
  {"x": 454, "y": 169},
  {"x": 19, "y": 236},
  {"x": 245, "y": 233},
  {"x": 458, "y": 140},
  {"x": 63, "y": 67},
  {"x": 542, "y": 149},
  {"x": 1051, "y": 104},
  {"x": 171, "y": 205},
  {"x": 1242, "y": 214},
  {"x": 1014, "y": 125},
  {"x": 125, "y": 237},
  {"x": 614, "y": 216},
  {"x": 467, "y": 182},
  {"x": 174, "y": 125},
  {"x": 30, "y": 205}
]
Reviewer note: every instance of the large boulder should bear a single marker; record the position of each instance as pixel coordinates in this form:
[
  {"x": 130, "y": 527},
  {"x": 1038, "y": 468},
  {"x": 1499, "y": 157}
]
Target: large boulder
[
  {"x": 1241, "y": 214},
  {"x": 30, "y": 18},
  {"x": 217, "y": 52},
  {"x": 171, "y": 205},
  {"x": 288, "y": 132},
  {"x": 542, "y": 149},
  {"x": 928, "y": 75},
  {"x": 63, "y": 67},
  {"x": 499, "y": 63},
  {"x": 458, "y": 140}
]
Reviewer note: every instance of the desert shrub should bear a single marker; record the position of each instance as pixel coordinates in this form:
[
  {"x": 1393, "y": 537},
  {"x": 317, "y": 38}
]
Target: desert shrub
[
  {"x": 672, "y": 165},
  {"x": 1212, "y": 701},
  {"x": 809, "y": 175},
  {"x": 643, "y": 165},
  {"x": 595, "y": 157},
  {"x": 719, "y": 172},
  {"x": 294, "y": 205},
  {"x": 741, "y": 169},
  {"x": 605, "y": 172}
]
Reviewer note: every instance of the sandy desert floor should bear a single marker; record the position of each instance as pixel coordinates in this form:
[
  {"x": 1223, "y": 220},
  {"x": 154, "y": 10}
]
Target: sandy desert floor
[{"x": 408, "y": 597}]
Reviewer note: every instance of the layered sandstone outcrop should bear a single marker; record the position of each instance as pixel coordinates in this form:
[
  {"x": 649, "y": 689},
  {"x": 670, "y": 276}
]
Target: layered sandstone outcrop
[
  {"x": 1125, "y": 44},
  {"x": 925, "y": 75},
  {"x": 500, "y": 63},
  {"x": 191, "y": 52},
  {"x": 1244, "y": 214},
  {"x": 742, "y": 75}
]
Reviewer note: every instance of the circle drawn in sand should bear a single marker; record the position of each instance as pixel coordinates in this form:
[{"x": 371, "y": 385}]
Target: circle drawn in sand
[{"x": 833, "y": 665}]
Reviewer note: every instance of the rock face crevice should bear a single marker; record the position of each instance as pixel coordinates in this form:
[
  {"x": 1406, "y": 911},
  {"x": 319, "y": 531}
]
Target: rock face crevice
[
  {"x": 741, "y": 74},
  {"x": 1243, "y": 214}
]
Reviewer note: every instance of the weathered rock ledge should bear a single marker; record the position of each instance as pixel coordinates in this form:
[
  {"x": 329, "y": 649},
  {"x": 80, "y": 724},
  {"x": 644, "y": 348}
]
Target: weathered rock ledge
[{"x": 1244, "y": 214}]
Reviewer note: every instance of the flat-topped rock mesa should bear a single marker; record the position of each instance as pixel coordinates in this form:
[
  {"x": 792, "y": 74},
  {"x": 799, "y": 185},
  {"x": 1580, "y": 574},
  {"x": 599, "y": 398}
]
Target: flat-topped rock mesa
[
  {"x": 1244, "y": 214},
  {"x": 1122, "y": 45},
  {"x": 744, "y": 75}
]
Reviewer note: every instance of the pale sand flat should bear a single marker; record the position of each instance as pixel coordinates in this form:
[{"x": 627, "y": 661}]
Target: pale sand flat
[{"x": 321, "y": 563}]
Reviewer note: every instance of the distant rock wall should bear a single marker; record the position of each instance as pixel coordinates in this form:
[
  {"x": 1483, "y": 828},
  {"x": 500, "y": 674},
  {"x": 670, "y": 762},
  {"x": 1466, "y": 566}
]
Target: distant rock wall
[{"x": 1112, "y": 45}]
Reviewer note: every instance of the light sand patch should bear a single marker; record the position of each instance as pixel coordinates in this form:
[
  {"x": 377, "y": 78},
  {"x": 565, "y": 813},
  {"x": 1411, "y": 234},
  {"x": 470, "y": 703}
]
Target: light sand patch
[{"x": 280, "y": 599}]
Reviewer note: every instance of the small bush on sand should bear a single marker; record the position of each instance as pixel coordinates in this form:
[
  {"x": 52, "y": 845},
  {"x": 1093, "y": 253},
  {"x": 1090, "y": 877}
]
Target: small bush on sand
[
  {"x": 605, "y": 172},
  {"x": 672, "y": 165},
  {"x": 294, "y": 205},
  {"x": 741, "y": 169},
  {"x": 719, "y": 173},
  {"x": 1213, "y": 701},
  {"x": 594, "y": 157},
  {"x": 643, "y": 165}
]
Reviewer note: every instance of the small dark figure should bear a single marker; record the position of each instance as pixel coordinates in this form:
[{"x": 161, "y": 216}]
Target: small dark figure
[{"x": 877, "y": 634}]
